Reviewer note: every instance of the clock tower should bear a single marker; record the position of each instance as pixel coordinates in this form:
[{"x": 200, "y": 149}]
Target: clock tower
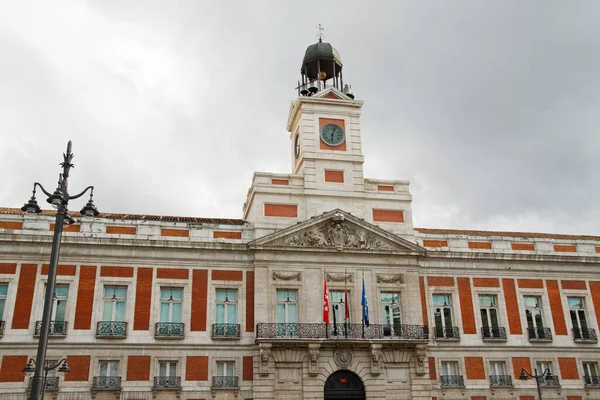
[{"x": 326, "y": 159}]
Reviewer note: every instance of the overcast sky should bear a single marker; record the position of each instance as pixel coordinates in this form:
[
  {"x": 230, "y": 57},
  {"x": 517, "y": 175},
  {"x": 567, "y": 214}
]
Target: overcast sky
[{"x": 490, "y": 109}]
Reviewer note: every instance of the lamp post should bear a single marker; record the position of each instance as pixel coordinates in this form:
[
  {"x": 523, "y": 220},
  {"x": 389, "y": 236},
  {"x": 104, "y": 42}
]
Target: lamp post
[
  {"x": 61, "y": 365},
  {"x": 525, "y": 375},
  {"x": 59, "y": 200}
]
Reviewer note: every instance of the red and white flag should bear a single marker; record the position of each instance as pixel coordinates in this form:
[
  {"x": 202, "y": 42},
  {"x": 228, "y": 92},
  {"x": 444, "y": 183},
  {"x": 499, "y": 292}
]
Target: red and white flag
[{"x": 325, "y": 302}]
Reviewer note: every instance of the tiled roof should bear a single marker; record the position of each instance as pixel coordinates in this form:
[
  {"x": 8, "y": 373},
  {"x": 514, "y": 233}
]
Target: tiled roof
[
  {"x": 165, "y": 218},
  {"x": 506, "y": 234}
]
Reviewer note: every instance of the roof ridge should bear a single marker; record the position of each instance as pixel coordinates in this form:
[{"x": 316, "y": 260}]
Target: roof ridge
[{"x": 475, "y": 232}]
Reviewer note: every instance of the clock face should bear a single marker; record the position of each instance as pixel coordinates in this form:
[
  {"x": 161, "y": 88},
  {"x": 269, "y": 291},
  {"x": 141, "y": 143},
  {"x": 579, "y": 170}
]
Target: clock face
[
  {"x": 332, "y": 134},
  {"x": 297, "y": 146}
]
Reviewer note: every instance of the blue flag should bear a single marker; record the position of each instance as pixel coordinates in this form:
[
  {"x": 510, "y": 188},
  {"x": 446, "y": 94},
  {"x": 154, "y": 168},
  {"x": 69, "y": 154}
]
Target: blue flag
[{"x": 365, "y": 306}]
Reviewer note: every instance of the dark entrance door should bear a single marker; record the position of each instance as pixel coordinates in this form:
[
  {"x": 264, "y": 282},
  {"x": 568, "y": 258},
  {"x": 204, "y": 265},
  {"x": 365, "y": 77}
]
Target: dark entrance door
[{"x": 344, "y": 385}]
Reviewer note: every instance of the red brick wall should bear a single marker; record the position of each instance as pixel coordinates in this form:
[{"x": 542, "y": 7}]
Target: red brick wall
[
  {"x": 474, "y": 368},
  {"x": 522, "y": 246},
  {"x": 385, "y": 188},
  {"x": 143, "y": 299},
  {"x": 66, "y": 270},
  {"x": 565, "y": 248},
  {"x": 249, "y": 301},
  {"x": 80, "y": 368},
  {"x": 281, "y": 210},
  {"x": 526, "y": 398},
  {"x": 480, "y": 245},
  {"x": 466, "y": 305},
  {"x": 138, "y": 368},
  {"x": 486, "y": 282},
  {"x": 530, "y": 283},
  {"x": 175, "y": 232},
  {"x": 8, "y": 268},
  {"x": 67, "y": 228},
  {"x": 280, "y": 182},
  {"x": 121, "y": 230},
  {"x": 423, "y": 301},
  {"x": 334, "y": 176},
  {"x": 558, "y": 316},
  {"x": 220, "y": 275},
  {"x": 478, "y": 398},
  {"x": 24, "y": 299},
  {"x": 432, "y": 372},
  {"x": 172, "y": 273},
  {"x": 196, "y": 368},
  {"x": 248, "y": 369},
  {"x": 85, "y": 297},
  {"x": 512, "y": 306},
  {"x": 573, "y": 285},
  {"x": 199, "y": 296},
  {"x": 435, "y": 243},
  {"x": 440, "y": 281},
  {"x": 116, "y": 272},
  {"x": 595, "y": 292},
  {"x": 568, "y": 368},
  {"x": 15, "y": 226},
  {"x": 227, "y": 235},
  {"x": 518, "y": 363},
  {"x": 11, "y": 369},
  {"x": 388, "y": 215}
]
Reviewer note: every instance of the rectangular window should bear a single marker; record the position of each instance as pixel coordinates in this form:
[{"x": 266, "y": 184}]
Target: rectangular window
[
  {"x": 3, "y": 292},
  {"x": 226, "y": 306},
  {"x": 497, "y": 368},
  {"x": 442, "y": 313},
  {"x": 170, "y": 305},
  {"x": 590, "y": 372},
  {"x": 488, "y": 308},
  {"x": 287, "y": 312},
  {"x": 61, "y": 293},
  {"x": 450, "y": 375},
  {"x": 543, "y": 367},
  {"x": 167, "y": 369},
  {"x": 225, "y": 368},
  {"x": 390, "y": 313},
  {"x": 498, "y": 376},
  {"x": 338, "y": 306},
  {"x": 533, "y": 313},
  {"x": 109, "y": 369},
  {"x": 578, "y": 317},
  {"x": 115, "y": 299}
]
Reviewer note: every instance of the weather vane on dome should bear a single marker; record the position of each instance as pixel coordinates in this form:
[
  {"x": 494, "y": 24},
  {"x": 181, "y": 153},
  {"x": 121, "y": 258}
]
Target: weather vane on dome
[{"x": 320, "y": 35}]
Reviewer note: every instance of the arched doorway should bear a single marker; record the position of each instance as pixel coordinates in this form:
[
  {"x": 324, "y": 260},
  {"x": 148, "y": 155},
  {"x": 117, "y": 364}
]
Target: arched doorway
[{"x": 344, "y": 385}]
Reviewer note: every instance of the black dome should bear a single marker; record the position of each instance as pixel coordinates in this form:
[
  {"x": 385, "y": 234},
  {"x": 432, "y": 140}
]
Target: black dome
[{"x": 321, "y": 57}]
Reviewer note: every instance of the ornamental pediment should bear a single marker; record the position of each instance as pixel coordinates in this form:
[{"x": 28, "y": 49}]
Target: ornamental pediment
[{"x": 340, "y": 231}]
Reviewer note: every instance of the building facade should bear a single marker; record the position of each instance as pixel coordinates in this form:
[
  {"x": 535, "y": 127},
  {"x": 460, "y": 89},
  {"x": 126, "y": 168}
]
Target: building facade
[{"x": 158, "y": 307}]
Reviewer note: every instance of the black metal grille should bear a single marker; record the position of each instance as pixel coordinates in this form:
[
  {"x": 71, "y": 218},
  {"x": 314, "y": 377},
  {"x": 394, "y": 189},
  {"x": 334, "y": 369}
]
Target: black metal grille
[
  {"x": 167, "y": 382},
  {"x": 57, "y": 328},
  {"x": 493, "y": 333},
  {"x": 591, "y": 380},
  {"x": 447, "y": 333},
  {"x": 342, "y": 331},
  {"x": 2, "y": 328},
  {"x": 51, "y": 382},
  {"x": 169, "y": 329},
  {"x": 585, "y": 334},
  {"x": 111, "y": 329},
  {"x": 225, "y": 381},
  {"x": 500, "y": 380},
  {"x": 551, "y": 380},
  {"x": 452, "y": 380},
  {"x": 539, "y": 333},
  {"x": 226, "y": 330},
  {"x": 107, "y": 382}
]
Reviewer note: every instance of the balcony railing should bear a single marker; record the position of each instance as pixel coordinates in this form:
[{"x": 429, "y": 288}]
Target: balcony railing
[
  {"x": 501, "y": 380},
  {"x": 592, "y": 380},
  {"x": 225, "y": 382},
  {"x": 2, "y": 328},
  {"x": 111, "y": 329},
  {"x": 447, "y": 333},
  {"x": 57, "y": 328},
  {"x": 341, "y": 331},
  {"x": 107, "y": 382},
  {"x": 452, "y": 380},
  {"x": 51, "y": 382},
  {"x": 584, "y": 335},
  {"x": 551, "y": 381},
  {"x": 224, "y": 331},
  {"x": 167, "y": 382},
  {"x": 493, "y": 333},
  {"x": 169, "y": 330},
  {"x": 539, "y": 333}
]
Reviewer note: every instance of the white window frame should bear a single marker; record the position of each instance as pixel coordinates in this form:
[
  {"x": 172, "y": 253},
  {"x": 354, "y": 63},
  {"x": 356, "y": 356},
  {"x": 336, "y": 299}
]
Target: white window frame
[
  {"x": 162, "y": 300},
  {"x": 451, "y": 296},
  {"x": 226, "y": 305},
  {"x": 115, "y": 301}
]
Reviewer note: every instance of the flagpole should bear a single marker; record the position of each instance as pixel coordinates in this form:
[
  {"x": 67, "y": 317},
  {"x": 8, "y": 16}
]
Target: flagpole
[
  {"x": 328, "y": 303},
  {"x": 363, "y": 306},
  {"x": 346, "y": 305}
]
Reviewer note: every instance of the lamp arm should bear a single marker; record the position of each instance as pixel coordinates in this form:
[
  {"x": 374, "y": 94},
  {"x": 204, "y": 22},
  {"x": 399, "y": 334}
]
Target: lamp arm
[
  {"x": 47, "y": 193},
  {"x": 523, "y": 370},
  {"x": 49, "y": 367},
  {"x": 82, "y": 193}
]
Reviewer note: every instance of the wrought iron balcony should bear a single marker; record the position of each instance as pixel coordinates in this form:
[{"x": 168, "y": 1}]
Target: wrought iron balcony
[
  {"x": 584, "y": 335},
  {"x": 452, "y": 380},
  {"x": 493, "y": 333},
  {"x": 173, "y": 330},
  {"x": 592, "y": 380},
  {"x": 226, "y": 331},
  {"x": 551, "y": 381},
  {"x": 167, "y": 382},
  {"x": 341, "y": 331},
  {"x": 51, "y": 382},
  {"x": 57, "y": 328},
  {"x": 107, "y": 382},
  {"x": 451, "y": 333},
  {"x": 501, "y": 380},
  {"x": 111, "y": 329},
  {"x": 539, "y": 334},
  {"x": 225, "y": 382},
  {"x": 2, "y": 328}
]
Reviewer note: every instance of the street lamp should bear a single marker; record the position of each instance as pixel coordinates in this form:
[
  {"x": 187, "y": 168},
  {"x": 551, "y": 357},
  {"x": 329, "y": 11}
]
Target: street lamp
[
  {"x": 61, "y": 366},
  {"x": 59, "y": 200},
  {"x": 525, "y": 375}
]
